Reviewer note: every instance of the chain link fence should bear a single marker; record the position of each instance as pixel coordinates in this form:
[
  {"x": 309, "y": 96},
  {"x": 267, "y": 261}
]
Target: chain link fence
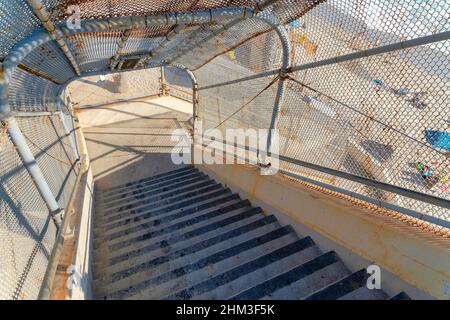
[{"x": 384, "y": 117}]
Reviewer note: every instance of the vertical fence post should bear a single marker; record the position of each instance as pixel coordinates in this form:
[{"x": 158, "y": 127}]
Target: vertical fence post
[
  {"x": 195, "y": 102},
  {"x": 162, "y": 81},
  {"x": 70, "y": 133},
  {"x": 286, "y": 64}
]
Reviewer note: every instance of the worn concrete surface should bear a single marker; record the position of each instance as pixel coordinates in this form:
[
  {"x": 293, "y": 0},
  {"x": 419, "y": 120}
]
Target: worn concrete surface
[{"x": 132, "y": 140}]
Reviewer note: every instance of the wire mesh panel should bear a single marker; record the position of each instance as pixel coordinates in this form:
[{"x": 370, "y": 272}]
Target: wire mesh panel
[
  {"x": 17, "y": 21},
  {"x": 94, "y": 50},
  {"x": 384, "y": 117},
  {"x": 27, "y": 233},
  {"x": 242, "y": 105},
  {"x": 29, "y": 92},
  {"x": 107, "y": 8},
  {"x": 48, "y": 61}
]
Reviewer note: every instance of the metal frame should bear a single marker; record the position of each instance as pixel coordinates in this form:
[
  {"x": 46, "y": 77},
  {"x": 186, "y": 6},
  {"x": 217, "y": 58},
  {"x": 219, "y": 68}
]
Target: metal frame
[
  {"x": 195, "y": 102},
  {"x": 32, "y": 166},
  {"x": 43, "y": 35},
  {"x": 286, "y": 64},
  {"x": 366, "y": 181},
  {"x": 51, "y": 32},
  {"x": 40, "y": 11},
  {"x": 258, "y": 8},
  {"x": 123, "y": 40}
]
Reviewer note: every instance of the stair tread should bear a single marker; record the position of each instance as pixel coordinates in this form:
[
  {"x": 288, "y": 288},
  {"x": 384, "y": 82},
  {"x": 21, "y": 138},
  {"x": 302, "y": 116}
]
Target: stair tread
[
  {"x": 298, "y": 281},
  {"x": 149, "y": 237},
  {"x": 160, "y": 194},
  {"x": 310, "y": 284},
  {"x": 145, "y": 225},
  {"x": 185, "y": 204},
  {"x": 245, "y": 276},
  {"x": 215, "y": 257},
  {"x": 154, "y": 190},
  {"x": 201, "y": 250},
  {"x": 400, "y": 296},
  {"x": 182, "y": 235},
  {"x": 152, "y": 178},
  {"x": 146, "y": 187},
  {"x": 363, "y": 293},
  {"x": 342, "y": 287}
]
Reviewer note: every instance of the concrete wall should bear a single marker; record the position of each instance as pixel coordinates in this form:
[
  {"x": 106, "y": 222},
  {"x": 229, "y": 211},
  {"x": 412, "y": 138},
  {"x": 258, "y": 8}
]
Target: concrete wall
[
  {"x": 133, "y": 109},
  {"x": 411, "y": 259},
  {"x": 82, "y": 289}
]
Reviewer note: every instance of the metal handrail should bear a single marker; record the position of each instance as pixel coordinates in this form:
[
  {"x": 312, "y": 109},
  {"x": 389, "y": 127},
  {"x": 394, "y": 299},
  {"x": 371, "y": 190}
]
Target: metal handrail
[
  {"x": 47, "y": 283},
  {"x": 437, "y": 201}
]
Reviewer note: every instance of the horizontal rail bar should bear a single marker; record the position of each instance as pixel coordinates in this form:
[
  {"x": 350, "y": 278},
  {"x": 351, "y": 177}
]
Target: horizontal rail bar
[
  {"x": 387, "y": 205},
  {"x": 348, "y": 57},
  {"x": 390, "y": 206},
  {"x": 441, "y": 202},
  {"x": 373, "y": 183},
  {"x": 41, "y": 12}
]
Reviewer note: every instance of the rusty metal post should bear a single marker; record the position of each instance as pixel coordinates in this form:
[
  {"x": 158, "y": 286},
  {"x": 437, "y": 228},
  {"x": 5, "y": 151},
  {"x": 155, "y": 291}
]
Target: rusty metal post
[
  {"x": 41, "y": 12},
  {"x": 195, "y": 102},
  {"x": 123, "y": 40},
  {"x": 162, "y": 80},
  {"x": 259, "y": 7},
  {"x": 286, "y": 64}
]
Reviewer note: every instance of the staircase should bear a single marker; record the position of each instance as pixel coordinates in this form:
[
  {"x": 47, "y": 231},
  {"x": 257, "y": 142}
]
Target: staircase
[{"x": 182, "y": 235}]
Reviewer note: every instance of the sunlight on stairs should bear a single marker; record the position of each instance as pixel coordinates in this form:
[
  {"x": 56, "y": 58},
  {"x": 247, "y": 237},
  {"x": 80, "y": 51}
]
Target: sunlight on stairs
[{"x": 182, "y": 235}]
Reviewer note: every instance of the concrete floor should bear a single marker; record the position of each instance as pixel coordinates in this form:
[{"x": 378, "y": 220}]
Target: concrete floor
[{"x": 132, "y": 140}]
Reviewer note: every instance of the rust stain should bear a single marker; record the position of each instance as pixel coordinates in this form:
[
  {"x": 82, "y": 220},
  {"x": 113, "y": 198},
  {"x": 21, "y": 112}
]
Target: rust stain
[{"x": 37, "y": 73}]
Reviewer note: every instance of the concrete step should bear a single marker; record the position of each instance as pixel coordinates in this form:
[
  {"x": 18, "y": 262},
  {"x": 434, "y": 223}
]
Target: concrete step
[
  {"x": 109, "y": 206},
  {"x": 212, "y": 229},
  {"x": 124, "y": 217},
  {"x": 400, "y": 296},
  {"x": 181, "y": 235},
  {"x": 287, "y": 275},
  {"x": 363, "y": 293},
  {"x": 147, "y": 239},
  {"x": 245, "y": 276},
  {"x": 109, "y": 250},
  {"x": 145, "y": 225},
  {"x": 147, "y": 181},
  {"x": 302, "y": 281},
  {"x": 159, "y": 194},
  {"x": 143, "y": 188},
  {"x": 149, "y": 204},
  {"x": 179, "y": 258},
  {"x": 167, "y": 203},
  {"x": 178, "y": 272}
]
